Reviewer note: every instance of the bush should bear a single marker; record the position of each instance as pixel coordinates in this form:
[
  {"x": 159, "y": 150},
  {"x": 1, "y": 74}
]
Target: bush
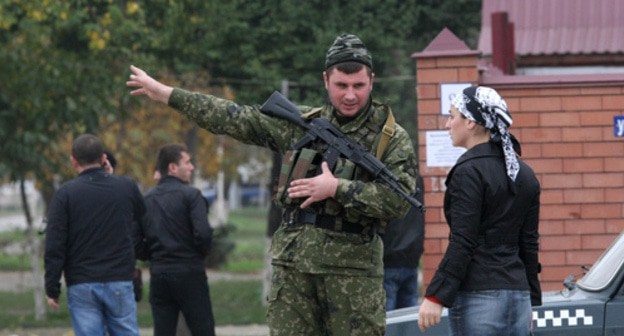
[{"x": 222, "y": 245}]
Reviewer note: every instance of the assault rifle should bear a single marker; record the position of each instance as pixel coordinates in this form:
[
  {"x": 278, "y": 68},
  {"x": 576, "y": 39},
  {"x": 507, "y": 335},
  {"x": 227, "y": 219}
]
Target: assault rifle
[{"x": 337, "y": 143}]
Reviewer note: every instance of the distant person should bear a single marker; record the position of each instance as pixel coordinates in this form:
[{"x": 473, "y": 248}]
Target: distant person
[
  {"x": 89, "y": 241},
  {"x": 177, "y": 239},
  {"x": 403, "y": 247},
  {"x": 488, "y": 275},
  {"x": 110, "y": 162},
  {"x": 109, "y": 166}
]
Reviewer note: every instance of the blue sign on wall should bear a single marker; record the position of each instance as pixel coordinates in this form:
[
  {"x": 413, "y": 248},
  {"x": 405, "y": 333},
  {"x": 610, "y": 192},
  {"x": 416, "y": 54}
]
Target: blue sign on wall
[{"x": 618, "y": 125}]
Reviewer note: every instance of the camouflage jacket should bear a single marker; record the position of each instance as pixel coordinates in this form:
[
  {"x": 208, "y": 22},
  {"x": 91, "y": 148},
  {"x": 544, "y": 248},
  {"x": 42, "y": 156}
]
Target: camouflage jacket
[{"x": 306, "y": 247}]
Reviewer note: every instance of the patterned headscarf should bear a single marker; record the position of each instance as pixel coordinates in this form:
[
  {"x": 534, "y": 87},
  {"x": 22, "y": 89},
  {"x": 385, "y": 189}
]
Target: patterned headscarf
[
  {"x": 486, "y": 107},
  {"x": 348, "y": 48}
]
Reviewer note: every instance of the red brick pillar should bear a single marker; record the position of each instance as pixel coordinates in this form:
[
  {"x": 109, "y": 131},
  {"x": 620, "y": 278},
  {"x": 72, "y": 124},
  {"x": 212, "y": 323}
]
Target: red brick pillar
[{"x": 446, "y": 60}]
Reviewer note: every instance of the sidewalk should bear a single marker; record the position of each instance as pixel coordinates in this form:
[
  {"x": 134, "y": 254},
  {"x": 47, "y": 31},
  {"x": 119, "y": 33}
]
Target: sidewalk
[
  {"x": 250, "y": 330},
  {"x": 18, "y": 221}
]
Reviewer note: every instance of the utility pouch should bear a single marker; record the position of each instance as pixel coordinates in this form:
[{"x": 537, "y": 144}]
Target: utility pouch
[
  {"x": 296, "y": 164},
  {"x": 344, "y": 169},
  {"x": 287, "y": 164}
]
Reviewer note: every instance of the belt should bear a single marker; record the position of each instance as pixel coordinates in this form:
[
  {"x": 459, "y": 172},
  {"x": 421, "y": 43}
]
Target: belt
[
  {"x": 502, "y": 239},
  {"x": 326, "y": 222}
]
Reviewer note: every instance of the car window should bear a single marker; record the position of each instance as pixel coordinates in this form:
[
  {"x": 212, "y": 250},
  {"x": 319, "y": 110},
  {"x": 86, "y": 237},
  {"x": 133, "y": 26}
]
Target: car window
[{"x": 605, "y": 269}]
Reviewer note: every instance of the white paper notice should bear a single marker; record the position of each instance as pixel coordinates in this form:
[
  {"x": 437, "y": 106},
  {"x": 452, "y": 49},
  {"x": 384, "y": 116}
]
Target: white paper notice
[
  {"x": 447, "y": 93},
  {"x": 440, "y": 150}
]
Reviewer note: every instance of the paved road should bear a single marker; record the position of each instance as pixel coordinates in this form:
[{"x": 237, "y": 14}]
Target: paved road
[{"x": 17, "y": 221}]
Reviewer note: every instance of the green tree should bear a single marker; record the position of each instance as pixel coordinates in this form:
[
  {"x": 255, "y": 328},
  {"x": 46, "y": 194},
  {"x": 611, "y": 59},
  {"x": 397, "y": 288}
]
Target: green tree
[
  {"x": 58, "y": 79},
  {"x": 253, "y": 45}
]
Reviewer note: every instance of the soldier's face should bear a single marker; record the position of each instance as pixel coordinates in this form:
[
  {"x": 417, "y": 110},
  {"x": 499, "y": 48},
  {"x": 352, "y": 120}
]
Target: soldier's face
[{"x": 348, "y": 93}]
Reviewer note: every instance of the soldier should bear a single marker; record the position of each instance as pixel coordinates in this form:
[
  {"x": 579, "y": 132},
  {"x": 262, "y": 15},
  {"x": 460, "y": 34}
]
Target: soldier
[
  {"x": 403, "y": 247},
  {"x": 327, "y": 255}
]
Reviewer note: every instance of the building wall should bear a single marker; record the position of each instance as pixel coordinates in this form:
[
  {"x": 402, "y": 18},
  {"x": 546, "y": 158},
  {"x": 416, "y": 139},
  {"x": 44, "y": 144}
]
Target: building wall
[{"x": 566, "y": 129}]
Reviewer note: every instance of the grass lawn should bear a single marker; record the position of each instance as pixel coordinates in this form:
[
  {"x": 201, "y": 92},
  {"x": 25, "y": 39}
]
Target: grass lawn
[
  {"x": 249, "y": 237},
  {"x": 235, "y": 302},
  {"x": 13, "y": 262}
]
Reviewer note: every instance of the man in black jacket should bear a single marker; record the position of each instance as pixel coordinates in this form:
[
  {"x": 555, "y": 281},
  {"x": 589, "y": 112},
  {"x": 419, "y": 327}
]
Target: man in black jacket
[
  {"x": 177, "y": 238},
  {"x": 403, "y": 247},
  {"x": 89, "y": 241}
]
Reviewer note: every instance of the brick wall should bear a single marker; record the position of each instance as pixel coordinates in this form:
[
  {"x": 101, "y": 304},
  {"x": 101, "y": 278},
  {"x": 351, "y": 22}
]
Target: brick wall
[{"x": 566, "y": 127}]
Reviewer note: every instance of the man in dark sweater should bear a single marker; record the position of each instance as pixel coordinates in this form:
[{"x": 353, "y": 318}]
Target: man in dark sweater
[
  {"x": 89, "y": 240},
  {"x": 176, "y": 240},
  {"x": 403, "y": 247}
]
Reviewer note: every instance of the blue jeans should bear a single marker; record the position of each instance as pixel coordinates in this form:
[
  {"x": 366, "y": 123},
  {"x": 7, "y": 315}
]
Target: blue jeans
[
  {"x": 186, "y": 292},
  {"x": 401, "y": 285},
  {"x": 99, "y": 307},
  {"x": 491, "y": 312}
]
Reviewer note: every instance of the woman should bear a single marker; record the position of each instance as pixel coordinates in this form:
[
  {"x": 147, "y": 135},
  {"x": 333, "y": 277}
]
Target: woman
[{"x": 488, "y": 276}]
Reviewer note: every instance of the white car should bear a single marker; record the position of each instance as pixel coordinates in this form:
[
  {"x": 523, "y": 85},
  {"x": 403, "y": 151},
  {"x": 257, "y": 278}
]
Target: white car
[{"x": 592, "y": 306}]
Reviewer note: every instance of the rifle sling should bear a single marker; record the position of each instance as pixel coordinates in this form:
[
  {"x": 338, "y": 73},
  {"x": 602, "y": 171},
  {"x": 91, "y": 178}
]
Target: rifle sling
[{"x": 387, "y": 132}]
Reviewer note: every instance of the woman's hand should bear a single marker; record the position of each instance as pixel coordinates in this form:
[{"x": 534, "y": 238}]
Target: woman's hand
[{"x": 430, "y": 314}]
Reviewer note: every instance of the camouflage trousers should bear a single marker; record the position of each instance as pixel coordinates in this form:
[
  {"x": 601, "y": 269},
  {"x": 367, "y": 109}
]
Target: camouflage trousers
[{"x": 323, "y": 304}]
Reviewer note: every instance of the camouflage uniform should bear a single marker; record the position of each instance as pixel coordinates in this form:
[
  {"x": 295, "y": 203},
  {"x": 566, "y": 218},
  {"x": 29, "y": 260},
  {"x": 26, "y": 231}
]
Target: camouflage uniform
[{"x": 326, "y": 281}]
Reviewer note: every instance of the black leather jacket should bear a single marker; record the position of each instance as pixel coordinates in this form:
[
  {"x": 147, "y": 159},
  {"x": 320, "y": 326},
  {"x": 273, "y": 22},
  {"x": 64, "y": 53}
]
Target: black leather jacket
[
  {"x": 493, "y": 228},
  {"x": 176, "y": 233}
]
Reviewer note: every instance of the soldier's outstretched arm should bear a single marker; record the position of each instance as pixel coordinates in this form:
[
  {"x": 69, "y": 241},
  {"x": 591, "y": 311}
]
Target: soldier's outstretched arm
[{"x": 148, "y": 86}]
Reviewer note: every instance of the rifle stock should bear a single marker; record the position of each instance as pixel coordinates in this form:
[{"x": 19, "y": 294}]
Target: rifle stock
[{"x": 279, "y": 106}]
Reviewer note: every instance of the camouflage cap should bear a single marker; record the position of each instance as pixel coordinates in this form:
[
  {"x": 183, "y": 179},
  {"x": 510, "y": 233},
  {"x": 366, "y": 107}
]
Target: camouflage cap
[{"x": 348, "y": 48}]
